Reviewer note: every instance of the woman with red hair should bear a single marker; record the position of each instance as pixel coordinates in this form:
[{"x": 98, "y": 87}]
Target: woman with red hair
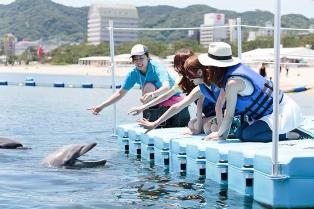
[{"x": 247, "y": 93}]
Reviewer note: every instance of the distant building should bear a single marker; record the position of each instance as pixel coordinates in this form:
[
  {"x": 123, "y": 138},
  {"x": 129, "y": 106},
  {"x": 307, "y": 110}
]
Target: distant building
[
  {"x": 8, "y": 42},
  {"x": 123, "y": 16},
  {"x": 268, "y": 31},
  {"x": 232, "y": 30},
  {"x": 213, "y": 28},
  {"x": 311, "y": 28},
  {"x": 194, "y": 35},
  {"x": 251, "y": 36},
  {"x": 23, "y": 45}
]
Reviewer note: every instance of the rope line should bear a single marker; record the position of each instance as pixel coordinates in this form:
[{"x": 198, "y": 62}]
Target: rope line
[{"x": 209, "y": 27}]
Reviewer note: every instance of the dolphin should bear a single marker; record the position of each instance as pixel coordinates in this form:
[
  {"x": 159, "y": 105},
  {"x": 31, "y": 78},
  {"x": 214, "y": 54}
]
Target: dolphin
[
  {"x": 6, "y": 143},
  {"x": 67, "y": 157}
]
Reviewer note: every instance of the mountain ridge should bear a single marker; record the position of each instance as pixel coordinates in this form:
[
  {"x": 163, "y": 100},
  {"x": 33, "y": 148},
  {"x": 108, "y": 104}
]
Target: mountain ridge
[{"x": 44, "y": 19}]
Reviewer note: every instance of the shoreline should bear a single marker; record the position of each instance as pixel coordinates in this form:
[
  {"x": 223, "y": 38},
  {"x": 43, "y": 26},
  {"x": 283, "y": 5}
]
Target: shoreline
[{"x": 297, "y": 76}]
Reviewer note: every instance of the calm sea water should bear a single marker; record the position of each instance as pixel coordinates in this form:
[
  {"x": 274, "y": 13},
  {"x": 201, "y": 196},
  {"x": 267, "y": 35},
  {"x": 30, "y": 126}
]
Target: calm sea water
[{"x": 46, "y": 118}]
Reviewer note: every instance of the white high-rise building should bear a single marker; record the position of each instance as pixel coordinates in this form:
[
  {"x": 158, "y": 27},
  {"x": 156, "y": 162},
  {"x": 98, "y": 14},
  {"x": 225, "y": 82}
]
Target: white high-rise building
[
  {"x": 123, "y": 16},
  {"x": 268, "y": 31},
  {"x": 232, "y": 30},
  {"x": 209, "y": 31},
  {"x": 252, "y": 36}
]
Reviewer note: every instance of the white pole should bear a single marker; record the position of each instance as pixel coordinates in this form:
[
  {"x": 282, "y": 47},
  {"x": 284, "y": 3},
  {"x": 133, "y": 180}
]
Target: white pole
[
  {"x": 113, "y": 75},
  {"x": 276, "y": 87},
  {"x": 239, "y": 35}
]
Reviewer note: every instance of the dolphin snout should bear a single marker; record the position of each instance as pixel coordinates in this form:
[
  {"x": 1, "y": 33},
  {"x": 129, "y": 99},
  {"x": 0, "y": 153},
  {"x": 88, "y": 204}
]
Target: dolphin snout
[{"x": 67, "y": 156}]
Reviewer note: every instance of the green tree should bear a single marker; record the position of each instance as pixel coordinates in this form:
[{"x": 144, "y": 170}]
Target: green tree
[
  {"x": 29, "y": 55},
  {"x": 70, "y": 54}
]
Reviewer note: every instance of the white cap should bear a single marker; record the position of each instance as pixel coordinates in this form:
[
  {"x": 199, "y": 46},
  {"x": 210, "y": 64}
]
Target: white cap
[{"x": 138, "y": 49}]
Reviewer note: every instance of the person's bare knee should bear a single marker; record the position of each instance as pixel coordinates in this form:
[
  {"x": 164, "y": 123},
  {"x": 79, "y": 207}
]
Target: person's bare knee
[
  {"x": 192, "y": 125},
  {"x": 148, "y": 87}
]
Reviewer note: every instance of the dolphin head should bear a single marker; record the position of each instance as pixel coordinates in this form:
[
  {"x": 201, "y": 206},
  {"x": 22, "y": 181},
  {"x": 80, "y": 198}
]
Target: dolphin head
[
  {"x": 6, "y": 143},
  {"x": 68, "y": 157}
]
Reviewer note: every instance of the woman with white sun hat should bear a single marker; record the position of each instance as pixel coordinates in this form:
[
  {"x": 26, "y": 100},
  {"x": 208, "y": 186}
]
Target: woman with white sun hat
[{"x": 246, "y": 93}]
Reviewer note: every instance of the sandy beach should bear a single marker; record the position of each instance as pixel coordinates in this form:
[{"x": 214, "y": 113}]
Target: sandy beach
[{"x": 298, "y": 76}]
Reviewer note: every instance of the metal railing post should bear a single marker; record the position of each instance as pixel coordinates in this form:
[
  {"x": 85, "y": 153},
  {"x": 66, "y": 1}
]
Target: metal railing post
[
  {"x": 275, "y": 135},
  {"x": 113, "y": 75},
  {"x": 239, "y": 35}
]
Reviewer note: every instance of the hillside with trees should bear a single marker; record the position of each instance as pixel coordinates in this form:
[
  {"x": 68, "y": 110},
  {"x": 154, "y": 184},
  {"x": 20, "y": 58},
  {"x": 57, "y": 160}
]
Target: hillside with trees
[
  {"x": 46, "y": 20},
  {"x": 43, "y": 19}
]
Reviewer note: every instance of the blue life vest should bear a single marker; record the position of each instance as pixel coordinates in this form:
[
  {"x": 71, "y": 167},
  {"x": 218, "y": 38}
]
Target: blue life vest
[
  {"x": 260, "y": 102},
  {"x": 211, "y": 96}
]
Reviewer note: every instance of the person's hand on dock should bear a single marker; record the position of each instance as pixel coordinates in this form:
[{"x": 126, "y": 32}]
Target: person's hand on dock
[{"x": 213, "y": 137}]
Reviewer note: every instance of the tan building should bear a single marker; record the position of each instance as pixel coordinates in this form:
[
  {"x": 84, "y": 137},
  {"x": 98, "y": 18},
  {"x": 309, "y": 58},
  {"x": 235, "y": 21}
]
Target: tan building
[
  {"x": 8, "y": 41},
  {"x": 123, "y": 16},
  {"x": 232, "y": 33},
  {"x": 213, "y": 28}
]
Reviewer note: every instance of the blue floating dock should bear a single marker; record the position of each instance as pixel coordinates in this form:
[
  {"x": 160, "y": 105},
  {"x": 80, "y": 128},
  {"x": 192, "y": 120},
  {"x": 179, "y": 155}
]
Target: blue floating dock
[
  {"x": 162, "y": 144},
  {"x": 217, "y": 161},
  {"x": 196, "y": 159},
  {"x": 178, "y": 156},
  {"x": 58, "y": 84},
  {"x": 117, "y": 86},
  {"x": 87, "y": 85},
  {"x": 135, "y": 141},
  {"x": 3, "y": 83},
  {"x": 147, "y": 147},
  {"x": 123, "y": 136},
  {"x": 293, "y": 188},
  {"x": 306, "y": 128},
  {"x": 29, "y": 81},
  {"x": 243, "y": 167}
]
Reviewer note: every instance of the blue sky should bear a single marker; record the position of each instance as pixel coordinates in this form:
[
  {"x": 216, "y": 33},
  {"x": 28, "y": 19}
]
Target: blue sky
[{"x": 304, "y": 7}]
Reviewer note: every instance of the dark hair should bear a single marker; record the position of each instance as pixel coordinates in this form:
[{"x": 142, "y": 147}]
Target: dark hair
[
  {"x": 211, "y": 74},
  {"x": 178, "y": 62},
  {"x": 217, "y": 75},
  {"x": 146, "y": 53},
  {"x": 192, "y": 65}
]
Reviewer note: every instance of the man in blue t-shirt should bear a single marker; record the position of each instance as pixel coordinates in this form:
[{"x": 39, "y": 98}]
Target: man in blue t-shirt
[{"x": 154, "y": 80}]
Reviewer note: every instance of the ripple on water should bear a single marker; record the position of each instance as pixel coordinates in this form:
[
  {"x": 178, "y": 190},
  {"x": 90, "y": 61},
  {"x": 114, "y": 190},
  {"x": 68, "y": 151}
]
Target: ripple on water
[{"x": 47, "y": 118}]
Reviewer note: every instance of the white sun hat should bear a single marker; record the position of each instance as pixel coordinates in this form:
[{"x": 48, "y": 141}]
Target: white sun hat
[
  {"x": 219, "y": 55},
  {"x": 138, "y": 49}
]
